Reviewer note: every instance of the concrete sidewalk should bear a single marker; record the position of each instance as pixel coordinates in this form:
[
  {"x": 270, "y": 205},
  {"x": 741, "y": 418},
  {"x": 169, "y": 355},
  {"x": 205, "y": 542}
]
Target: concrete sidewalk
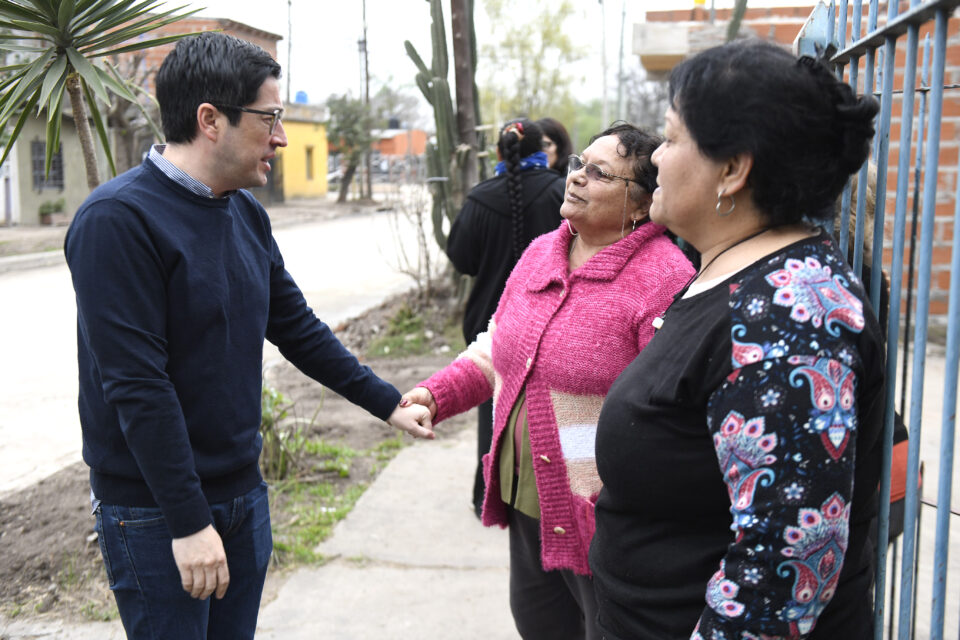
[{"x": 410, "y": 561}]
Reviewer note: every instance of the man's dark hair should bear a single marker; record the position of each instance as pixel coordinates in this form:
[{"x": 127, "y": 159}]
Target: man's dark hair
[{"x": 214, "y": 68}]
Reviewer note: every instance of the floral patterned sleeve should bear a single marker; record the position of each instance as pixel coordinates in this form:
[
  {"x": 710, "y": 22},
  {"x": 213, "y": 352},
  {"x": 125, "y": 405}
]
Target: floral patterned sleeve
[{"x": 783, "y": 425}]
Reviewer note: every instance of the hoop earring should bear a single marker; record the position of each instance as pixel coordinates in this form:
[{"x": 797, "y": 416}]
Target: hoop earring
[
  {"x": 570, "y": 229},
  {"x": 634, "y": 224},
  {"x": 733, "y": 205}
]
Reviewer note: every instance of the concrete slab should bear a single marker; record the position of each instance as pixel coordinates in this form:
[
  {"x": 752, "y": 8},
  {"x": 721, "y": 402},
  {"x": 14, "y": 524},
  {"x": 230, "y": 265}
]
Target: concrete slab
[
  {"x": 14, "y": 630},
  {"x": 340, "y": 601},
  {"x": 418, "y": 513},
  {"x": 410, "y": 561}
]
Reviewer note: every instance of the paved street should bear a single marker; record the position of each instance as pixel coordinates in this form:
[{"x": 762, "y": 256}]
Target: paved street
[{"x": 344, "y": 266}]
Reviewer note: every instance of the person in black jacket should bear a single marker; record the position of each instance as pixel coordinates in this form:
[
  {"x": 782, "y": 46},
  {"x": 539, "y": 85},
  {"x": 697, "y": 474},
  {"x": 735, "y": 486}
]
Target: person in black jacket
[{"x": 498, "y": 220}]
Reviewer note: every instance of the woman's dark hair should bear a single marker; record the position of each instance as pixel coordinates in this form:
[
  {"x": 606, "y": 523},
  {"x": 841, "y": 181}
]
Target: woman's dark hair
[
  {"x": 210, "y": 67},
  {"x": 636, "y": 145},
  {"x": 806, "y": 130},
  {"x": 518, "y": 139},
  {"x": 558, "y": 134}
]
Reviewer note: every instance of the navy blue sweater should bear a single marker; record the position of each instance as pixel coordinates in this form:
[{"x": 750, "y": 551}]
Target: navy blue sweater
[{"x": 175, "y": 295}]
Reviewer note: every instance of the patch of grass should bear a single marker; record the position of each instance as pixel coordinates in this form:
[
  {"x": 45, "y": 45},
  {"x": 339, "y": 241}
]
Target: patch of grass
[
  {"x": 69, "y": 575},
  {"x": 99, "y": 611},
  {"x": 312, "y": 510},
  {"x": 388, "y": 449},
  {"x": 306, "y": 509},
  {"x": 404, "y": 336},
  {"x": 16, "y": 610},
  {"x": 414, "y": 333},
  {"x": 385, "y": 452},
  {"x": 335, "y": 458}
]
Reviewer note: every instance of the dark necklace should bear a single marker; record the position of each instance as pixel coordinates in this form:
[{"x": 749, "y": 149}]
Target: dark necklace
[{"x": 658, "y": 321}]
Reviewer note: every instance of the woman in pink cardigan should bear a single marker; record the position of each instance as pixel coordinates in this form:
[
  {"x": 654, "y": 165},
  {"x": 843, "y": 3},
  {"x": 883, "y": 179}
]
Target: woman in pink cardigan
[{"x": 577, "y": 309}]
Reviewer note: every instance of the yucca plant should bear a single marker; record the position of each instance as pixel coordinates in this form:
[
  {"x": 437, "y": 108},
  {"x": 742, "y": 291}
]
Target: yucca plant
[{"x": 63, "y": 46}]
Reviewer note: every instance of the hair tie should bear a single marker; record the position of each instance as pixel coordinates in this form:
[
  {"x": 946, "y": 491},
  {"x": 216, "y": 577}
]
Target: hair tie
[{"x": 516, "y": 128}]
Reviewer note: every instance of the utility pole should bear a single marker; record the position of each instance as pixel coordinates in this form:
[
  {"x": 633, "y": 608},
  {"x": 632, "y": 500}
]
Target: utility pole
[
  {"x": 366, "y": 99},
  {"x": 289, "y": 45},
  {"x": 605, "y": 114},
  {"x": 621, "y": 103}
]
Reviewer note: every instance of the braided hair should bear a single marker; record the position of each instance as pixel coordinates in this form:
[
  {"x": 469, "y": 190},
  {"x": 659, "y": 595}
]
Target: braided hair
[{"x": 518, "y": 139}]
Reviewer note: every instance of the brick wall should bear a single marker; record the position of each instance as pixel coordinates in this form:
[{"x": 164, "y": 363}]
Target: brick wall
[
  {"x": 781, "y": 24},
  {"x": 154, "y": 57}
]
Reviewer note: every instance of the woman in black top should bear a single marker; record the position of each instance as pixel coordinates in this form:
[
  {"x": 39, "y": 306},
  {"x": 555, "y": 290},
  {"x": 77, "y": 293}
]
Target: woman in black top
[
  {"x": 740, "y": 452},
  {"x": 498, "y": 220}
]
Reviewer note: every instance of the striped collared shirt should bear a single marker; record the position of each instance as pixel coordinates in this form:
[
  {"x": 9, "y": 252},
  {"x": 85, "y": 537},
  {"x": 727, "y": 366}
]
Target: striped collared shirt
[{"x": 178, "y": 175}]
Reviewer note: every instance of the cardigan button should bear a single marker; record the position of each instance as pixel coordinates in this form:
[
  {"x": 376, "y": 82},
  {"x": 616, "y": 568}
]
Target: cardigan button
[
  {"x": 559, "y": 531},
  {"x": 529, "y": 362},
  {"x": 545, "y": 458}
]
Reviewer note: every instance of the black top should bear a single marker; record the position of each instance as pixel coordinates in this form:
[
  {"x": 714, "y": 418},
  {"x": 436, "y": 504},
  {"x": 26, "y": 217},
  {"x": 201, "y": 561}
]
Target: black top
[
  {"x": 776, "y": 373},
  {"x": 481, "y": 238},
  {"x": 175, "y": 295}
]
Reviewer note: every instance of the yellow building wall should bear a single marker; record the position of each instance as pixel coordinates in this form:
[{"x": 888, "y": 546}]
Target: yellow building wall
[{"x": 297, "y": 181}]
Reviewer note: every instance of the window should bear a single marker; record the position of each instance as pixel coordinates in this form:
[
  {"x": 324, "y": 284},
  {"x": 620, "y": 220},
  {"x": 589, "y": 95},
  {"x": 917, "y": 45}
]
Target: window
[
  {"x": 309, "y": 163},
  {"x": 54, "y": 180}
]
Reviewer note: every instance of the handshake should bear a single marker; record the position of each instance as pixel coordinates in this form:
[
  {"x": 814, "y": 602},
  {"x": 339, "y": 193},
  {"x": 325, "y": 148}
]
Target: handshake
[{"x": 415, "y": 413}]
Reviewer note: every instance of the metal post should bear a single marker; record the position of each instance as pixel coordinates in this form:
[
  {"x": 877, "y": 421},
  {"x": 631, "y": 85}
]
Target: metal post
[
  {"x": 947, "y": 432},
  {"x": 911, "y": 505},
  {"x": 366, "y": 98},
  {"x": 876, "y": 272}
]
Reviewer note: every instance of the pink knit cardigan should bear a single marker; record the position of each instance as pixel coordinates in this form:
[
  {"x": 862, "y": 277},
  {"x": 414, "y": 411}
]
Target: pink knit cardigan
[{"x": 564, "y": 337}]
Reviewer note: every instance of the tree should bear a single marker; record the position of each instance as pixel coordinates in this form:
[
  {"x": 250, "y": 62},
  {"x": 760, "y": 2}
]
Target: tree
[
  {"x": 349, "y": 130},
  {"x": 445, "y": 158},
  {"x": 646, "y": 100},
  {"x": 389, "y": 103},
  {"x": 66, "y": 45},
  {"x": 133, "y": 124},
  {"x": 464, "y": 72},
  {"x": 530, "y": 59}
]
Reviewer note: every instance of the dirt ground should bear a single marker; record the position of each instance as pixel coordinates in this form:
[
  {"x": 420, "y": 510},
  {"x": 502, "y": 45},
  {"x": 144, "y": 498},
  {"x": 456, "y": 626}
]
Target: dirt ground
[{"x": 51, "y": 566}]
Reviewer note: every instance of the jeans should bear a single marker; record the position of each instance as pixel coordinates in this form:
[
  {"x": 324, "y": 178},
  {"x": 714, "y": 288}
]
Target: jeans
[{"x": 145, "y": 581}]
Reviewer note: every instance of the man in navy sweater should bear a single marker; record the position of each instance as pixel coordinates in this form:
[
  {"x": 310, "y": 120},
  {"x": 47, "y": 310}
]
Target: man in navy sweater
[{"x": 178, "y": 282}]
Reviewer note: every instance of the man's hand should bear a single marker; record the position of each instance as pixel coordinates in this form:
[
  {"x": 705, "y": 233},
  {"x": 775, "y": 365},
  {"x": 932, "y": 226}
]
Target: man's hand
[
  {"x": 414, "y": 419},
  {"x": 202, "y": 563}
]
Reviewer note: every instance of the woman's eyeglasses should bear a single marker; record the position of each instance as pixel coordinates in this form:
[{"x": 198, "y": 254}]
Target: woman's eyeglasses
[
  {"x": 277, "y": 114},
  {"x": 594, "y": 172}
]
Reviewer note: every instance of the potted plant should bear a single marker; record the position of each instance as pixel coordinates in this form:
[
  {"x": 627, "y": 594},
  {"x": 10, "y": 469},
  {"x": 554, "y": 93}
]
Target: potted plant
[{"x": 51, "y": 212}]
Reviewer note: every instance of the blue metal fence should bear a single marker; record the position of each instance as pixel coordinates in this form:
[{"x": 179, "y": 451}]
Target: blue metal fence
[{"x": 858, "y": 62}]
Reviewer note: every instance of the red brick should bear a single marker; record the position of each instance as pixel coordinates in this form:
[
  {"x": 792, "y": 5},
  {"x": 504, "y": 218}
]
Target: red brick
[
  {"x": 939, "y": 307},
  {"x": 944, "y": 231},
  {"x": 941, "y": 280}
]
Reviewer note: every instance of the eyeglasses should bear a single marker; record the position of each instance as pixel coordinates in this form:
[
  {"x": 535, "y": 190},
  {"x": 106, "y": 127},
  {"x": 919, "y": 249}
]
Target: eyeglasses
[
  {"x": 277, "y": 114},
  {"x": 594, "y": 172}
]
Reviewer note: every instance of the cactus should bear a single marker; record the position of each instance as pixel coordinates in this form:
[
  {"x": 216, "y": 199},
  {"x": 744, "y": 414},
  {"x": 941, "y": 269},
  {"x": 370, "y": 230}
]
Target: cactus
[{"x": 444, "y": 159}]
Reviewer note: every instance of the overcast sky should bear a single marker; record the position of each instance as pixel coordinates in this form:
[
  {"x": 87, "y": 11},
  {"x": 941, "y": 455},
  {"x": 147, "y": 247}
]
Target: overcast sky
[{"x": 325, "y": 34}]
